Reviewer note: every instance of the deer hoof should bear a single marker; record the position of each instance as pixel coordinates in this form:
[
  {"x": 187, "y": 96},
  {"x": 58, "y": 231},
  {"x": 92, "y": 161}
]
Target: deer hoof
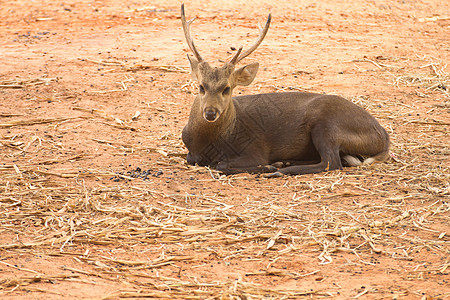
[
  {"x": 278, "y": 164},
  {"x": 223, "y": 167},
  {"x": 274, "y": 175},
  {"x": 270, "y": 168}
]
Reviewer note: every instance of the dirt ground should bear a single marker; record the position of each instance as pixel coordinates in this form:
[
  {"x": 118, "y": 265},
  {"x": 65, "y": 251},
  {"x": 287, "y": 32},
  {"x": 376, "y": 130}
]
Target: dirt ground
[{"x": 97, "y": 201}]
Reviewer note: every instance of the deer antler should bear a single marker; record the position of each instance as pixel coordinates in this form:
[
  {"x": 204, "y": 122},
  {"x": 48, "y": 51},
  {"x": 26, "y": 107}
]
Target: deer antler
[
  {"x": 187, "y": 34},
  {"x": 236, "y": 56},
  {"x": 262, "y": 34}
]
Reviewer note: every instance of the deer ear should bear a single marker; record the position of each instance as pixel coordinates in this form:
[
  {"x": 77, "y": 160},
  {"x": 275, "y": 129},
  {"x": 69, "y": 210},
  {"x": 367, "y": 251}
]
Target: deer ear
[
  {"x": 246, "y": 74},
  {"x": 194, "y": 67}
]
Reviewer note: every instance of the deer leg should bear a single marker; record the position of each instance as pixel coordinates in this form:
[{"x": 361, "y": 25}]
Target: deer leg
[
  {"x": 190, "y": 160},
  {"x": 329, "y": 157},
  {"x": 229, "y": 169}
]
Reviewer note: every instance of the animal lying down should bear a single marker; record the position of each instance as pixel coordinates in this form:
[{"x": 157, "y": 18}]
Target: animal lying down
[{"x": 276, "y": 133}]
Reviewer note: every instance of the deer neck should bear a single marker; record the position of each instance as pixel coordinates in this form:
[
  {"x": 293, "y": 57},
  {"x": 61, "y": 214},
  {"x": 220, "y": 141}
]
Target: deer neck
[{"x": 221, "y": 128}]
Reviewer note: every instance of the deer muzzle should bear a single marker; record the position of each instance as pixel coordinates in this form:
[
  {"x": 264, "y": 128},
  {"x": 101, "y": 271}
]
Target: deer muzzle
[{"x": 211, "y": 114}]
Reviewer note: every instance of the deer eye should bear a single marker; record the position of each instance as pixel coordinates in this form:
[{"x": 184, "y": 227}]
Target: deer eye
[
  {"x": 226, "y": 91},
  {"x": 201, "y": 89}
]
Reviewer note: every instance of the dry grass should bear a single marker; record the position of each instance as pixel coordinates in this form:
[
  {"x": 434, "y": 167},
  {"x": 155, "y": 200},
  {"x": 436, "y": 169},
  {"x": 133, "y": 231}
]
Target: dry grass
[
  {"x": 136, "y": 66},
  {"x": 18, "y": 83},
  {"x": 436, "y": 79},
  {"x": 54, "y": 218},
  {"x": 49, "y": 212}
]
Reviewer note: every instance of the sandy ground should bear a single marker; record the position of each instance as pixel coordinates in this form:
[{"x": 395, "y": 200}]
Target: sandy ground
[{"x": 97, "y": 201}]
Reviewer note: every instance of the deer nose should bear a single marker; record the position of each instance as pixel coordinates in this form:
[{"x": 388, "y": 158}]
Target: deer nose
[{"x": 210, "y": 114}]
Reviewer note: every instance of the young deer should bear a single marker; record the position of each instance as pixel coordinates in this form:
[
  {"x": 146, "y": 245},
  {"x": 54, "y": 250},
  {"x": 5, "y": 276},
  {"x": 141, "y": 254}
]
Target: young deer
[{"x": 278, "y": 133}]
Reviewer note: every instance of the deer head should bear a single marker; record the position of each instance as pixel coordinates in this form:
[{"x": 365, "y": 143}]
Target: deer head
[{"x": 216, "y": 84}]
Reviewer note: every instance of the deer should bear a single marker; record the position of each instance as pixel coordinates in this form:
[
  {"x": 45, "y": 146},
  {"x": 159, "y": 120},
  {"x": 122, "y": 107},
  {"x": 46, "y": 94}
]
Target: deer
[{"x": 287, "y": 133}]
